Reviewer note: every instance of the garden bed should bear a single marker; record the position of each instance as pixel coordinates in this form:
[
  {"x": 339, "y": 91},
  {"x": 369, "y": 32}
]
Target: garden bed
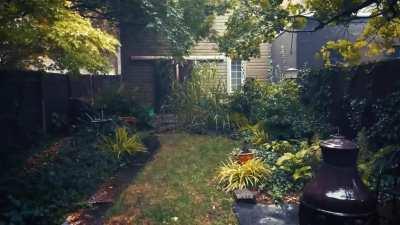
[{"x": 60, "y": 178}]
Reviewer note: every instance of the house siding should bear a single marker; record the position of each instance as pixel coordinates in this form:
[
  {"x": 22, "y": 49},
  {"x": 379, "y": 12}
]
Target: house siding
[
  {"x": 139, "y": 77},
  {"x": 207, "y": 47},
  {"x": 259, "y": 68},
  {"x": 140, "y": 47},
  {"x": 295, "y": 50}
]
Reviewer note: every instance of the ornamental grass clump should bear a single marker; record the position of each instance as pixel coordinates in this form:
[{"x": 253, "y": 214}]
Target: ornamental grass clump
[
  {"x": 233, "y": 175},
  {"x": 122, "y": 143}
]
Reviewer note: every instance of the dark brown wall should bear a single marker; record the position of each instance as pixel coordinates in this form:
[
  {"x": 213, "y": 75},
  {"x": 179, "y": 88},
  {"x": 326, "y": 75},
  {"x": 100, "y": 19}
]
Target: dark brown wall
[
  {"x": 139, "y": 76},
  {"x": 136, "y": 40}
]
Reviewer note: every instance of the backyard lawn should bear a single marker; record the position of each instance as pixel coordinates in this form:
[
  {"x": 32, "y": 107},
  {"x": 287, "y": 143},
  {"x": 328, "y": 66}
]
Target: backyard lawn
[{"x": 177, "y": 187}]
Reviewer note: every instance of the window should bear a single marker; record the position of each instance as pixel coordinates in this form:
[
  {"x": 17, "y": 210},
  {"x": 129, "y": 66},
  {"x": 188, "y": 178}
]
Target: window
[{"x": 237, "y": 74}]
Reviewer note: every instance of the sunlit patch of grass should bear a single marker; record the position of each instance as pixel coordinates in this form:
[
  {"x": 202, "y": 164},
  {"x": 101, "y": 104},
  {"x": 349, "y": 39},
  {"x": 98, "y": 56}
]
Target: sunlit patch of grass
[{"x": 177, "y": 187}]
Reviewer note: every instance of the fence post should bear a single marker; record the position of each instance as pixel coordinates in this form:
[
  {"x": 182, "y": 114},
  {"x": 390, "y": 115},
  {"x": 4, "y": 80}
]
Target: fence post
[{"x": 43, "y": 105}]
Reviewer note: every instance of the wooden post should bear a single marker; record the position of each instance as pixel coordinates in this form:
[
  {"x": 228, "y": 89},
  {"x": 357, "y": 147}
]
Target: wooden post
[
  {"x": 177, "y": 72},
  {"x": 92, "y": 89},
  {"x": 43, "y": 105}
]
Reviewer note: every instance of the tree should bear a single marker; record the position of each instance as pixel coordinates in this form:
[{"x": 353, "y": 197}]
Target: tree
[
  {"x": 181, "y": 22},
  {"x": 66, "y": 35},
  {"x": 258, "y": 21},
  {"x": 49, "y": 34}
]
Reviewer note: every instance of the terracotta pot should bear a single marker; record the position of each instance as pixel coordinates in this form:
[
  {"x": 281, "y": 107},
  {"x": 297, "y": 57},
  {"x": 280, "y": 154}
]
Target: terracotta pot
[
  {"x": 244, "y": 157},
  {"x": 128, "y": 119}
]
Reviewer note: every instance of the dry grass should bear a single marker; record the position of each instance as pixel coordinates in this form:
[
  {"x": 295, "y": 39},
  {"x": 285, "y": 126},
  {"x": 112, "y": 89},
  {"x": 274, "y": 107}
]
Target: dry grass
[{"x": 177, "y": 187}]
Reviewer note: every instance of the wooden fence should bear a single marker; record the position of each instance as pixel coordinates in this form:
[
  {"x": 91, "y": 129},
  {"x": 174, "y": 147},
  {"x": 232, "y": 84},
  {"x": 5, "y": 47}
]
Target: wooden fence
[{"x": 30, "y": 101}]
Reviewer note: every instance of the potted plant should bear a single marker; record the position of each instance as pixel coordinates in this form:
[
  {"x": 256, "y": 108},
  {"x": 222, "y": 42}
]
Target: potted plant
[
  {"x": 131, "y": 120},
  {"x": 245, "y": 154}
]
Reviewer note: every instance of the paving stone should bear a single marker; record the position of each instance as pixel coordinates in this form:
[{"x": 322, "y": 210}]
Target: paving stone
[
  {"x": 245, "y": 195},
  {"x": 260, "y": 214}
]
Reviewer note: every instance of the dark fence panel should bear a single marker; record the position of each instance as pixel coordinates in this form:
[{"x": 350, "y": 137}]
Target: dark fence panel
[
  {"x": 56, "y": 94},
  {"x": 33, "y": 103},
  {"x": 80, "y": 87},
  {"x": 365, "y": 96},
  {"x": 20, "y": 108}
]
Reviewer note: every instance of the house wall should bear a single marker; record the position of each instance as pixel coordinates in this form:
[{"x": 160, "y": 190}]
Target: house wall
[
  {"x": 310, "y": 43},
  {"x": 138, "y": 75},
  {"x": 260, "y": 67},
  {"x": 295, "y": 50},
  {"x": 284, "y": 54},
  {"x": 140, "y": 47}
]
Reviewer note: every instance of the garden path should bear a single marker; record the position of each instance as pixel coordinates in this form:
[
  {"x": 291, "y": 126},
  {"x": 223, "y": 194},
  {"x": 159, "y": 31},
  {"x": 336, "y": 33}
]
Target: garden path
[{"x": 260, "y": 214}]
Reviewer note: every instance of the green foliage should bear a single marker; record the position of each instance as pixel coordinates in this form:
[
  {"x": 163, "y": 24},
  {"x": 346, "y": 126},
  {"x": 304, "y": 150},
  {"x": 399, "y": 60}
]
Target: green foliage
[
  {"x": 64, "y": 178},
  {"x": 51, "y": 35},
  {"x": 371, "y": 167},
  {"x": 200, "y": 102},
  {"x": 254, "y": 134},
  {"x": 254, "y": 22},
  {"x": 278, "y": 106},
  {"x": 180, "y": 23},
  {"x": 356, "y": 98},
  {"x": 292, "y": 164},
  {"x": 233, "y": 176},
  {"x": 238, "y": 120},
  {"x": 299, "y": 164},
  {"x": 121, "y": 101},
  {"x": 250, "y": 24},
  {"x": 121, "y": 143}
]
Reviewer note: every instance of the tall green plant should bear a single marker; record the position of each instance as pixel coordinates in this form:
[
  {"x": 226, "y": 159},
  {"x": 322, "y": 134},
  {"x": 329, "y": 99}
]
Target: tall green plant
[
  {"x": 201, "y": 101},
  {"x": 277, "y": 105}
]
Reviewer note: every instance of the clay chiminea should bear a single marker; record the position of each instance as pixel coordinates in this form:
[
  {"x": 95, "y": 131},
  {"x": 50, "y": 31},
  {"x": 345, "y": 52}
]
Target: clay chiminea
[
  {"x": 245, "y": 153},
  {"x": 337, "y": 195}
]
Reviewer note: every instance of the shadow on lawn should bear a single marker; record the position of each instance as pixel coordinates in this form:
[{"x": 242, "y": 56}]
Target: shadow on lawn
[{"x": 110, "y": 190}]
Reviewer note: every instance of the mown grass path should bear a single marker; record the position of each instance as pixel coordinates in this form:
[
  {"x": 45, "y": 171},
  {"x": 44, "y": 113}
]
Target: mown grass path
[{"x": 177, "y": 187}]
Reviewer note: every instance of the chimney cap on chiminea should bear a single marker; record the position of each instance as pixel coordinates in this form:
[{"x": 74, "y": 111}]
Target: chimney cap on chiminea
[{"x": 338, "y": 142}]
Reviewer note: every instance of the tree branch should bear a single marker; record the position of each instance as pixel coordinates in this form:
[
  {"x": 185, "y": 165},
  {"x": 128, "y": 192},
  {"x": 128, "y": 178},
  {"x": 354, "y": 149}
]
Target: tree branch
[{"x": 338, "y": 17}]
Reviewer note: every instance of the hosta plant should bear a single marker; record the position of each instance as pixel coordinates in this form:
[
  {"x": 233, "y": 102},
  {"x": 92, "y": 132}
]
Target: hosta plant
[
  {"x": 299, "y": 164},
  {"x": 122, "y": 143},
  {"x": 233, "y": 176}
]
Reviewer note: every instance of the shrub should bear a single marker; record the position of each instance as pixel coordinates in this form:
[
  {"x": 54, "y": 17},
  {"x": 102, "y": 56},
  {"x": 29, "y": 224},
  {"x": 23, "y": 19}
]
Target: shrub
[
  {"x": 361, "y": 97},
  {"x": 120, "y": 101},
  {"x": 254, "y": 134},
  {"x": 58, "y": 183},
  {"x": 121, "y": 143},
  {"x": 278, "y": 106},
  {"x": 292, "y": 164},
  {"x": 299, "y": 164},
  {"x": 232, "y": 175},
  {"x": 201, "y": 101}
]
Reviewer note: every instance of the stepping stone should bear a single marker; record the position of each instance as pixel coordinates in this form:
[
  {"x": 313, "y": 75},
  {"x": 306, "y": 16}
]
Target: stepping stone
[
  {"x": 245, "y": 195},
  {"x": 260, "y": 214}
]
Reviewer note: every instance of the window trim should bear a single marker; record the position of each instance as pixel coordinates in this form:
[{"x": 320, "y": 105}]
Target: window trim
[{"x": 229, "y": 73}]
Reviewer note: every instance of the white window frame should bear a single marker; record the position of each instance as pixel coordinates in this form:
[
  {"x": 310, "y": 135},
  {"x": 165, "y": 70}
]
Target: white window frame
[{"x": 229, "y": 73}]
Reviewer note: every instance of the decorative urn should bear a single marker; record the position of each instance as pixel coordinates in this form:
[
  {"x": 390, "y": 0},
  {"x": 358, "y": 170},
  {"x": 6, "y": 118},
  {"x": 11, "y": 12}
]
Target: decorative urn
[{"x": 337, "y": 195}]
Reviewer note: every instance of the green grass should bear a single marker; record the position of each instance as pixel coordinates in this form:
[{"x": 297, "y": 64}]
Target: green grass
[{"x": 178, "y": 186}]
